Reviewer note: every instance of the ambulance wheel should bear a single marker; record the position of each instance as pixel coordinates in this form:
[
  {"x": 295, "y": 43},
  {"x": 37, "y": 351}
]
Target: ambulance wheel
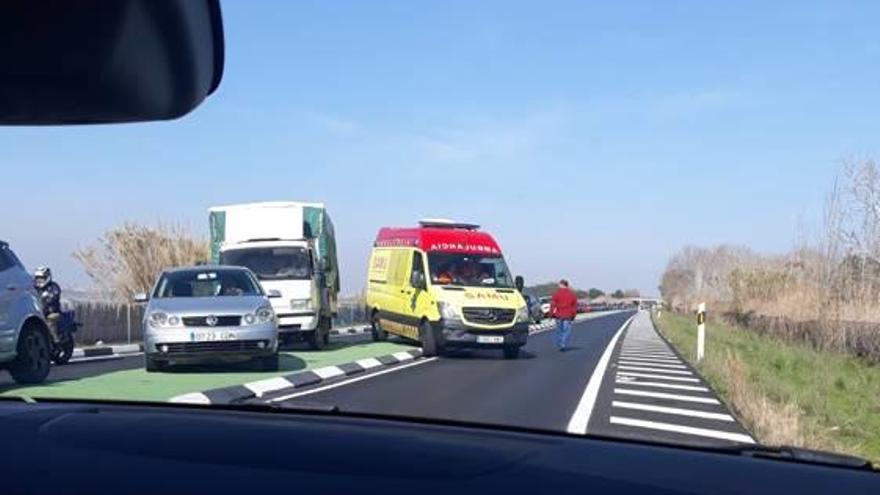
[
  {"x": 429, "y": 340},
  {"x": 315, "y": 338},
  {"x": 376, "y": 329},
  {"x": 511, "y": 352}
]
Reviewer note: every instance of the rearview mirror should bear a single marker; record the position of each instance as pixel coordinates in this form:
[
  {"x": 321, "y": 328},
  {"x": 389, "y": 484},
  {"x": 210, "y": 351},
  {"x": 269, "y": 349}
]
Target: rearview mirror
[
  {"x": 519, "y": 282},
  {"x": 106, "y": 61},
  {"x": 273, "y": 293},
  {"x": 140, "y": 297},
  {"x": 417, "y": 280}
]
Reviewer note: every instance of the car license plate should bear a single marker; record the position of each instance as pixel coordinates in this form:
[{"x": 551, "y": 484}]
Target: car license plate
[
  {"x": 490, "y": 339},
  {"x": 211, "y": 336}
]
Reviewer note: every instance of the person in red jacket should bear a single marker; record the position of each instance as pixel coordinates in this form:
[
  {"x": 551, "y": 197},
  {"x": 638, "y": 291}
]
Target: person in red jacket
[{"x": 563, "y": 307}]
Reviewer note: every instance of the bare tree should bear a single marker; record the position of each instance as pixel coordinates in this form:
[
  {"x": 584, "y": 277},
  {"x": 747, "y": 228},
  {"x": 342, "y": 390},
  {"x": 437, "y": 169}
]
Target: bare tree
[{"x": 128, "y": 259}]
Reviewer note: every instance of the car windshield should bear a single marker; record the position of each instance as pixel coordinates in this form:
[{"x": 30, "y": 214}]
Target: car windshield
[
  {"x": 469, "y": 270},
  {"x": 689, "y": 190},
  {"x": 272, "y": 263},
  {"x": 206, "y": 283}
]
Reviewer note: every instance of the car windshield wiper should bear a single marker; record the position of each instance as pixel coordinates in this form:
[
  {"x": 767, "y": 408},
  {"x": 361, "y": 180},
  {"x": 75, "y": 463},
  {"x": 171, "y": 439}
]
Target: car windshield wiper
[{"x": 799, "y": 454}]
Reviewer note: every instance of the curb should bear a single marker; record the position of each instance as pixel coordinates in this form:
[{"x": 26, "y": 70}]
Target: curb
[
  {"x": 112, "y": 350},
  {"x": 236, "y": 393}
]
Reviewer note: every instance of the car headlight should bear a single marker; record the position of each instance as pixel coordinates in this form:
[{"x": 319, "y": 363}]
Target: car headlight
[
  {"x": 448, "y": 311},
  {"x": 262, "y": 315},
  {"x": 300, "y": 304},
  {"x": 522, "y": 314},
  {"x": 157, "y": 319}
]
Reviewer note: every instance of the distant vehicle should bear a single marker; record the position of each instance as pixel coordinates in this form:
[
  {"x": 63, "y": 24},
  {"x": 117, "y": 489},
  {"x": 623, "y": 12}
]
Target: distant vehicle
[
  {"x": 25, "y": 349},
  {"x": 545, "y": 305},
  {"x": 209, "y": 314},
  {"x": 534, "y": 305},
  {"x": 599, "y": 307},
  {"x": 291, "y": 247},
  {"x": 445, "y": 285},
  {"x": 583, "y": 306}
]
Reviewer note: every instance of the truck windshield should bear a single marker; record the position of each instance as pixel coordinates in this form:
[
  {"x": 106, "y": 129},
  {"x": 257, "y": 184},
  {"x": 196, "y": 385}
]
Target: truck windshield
[
  {"x": 207, "y": 283},
  {"x": 470, "y": 270},
  {"x": 272, "y": 263}
]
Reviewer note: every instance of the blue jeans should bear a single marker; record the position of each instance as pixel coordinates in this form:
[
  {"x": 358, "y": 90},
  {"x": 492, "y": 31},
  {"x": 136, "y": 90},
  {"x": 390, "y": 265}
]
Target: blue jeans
[{"x": 563, "y": 330}]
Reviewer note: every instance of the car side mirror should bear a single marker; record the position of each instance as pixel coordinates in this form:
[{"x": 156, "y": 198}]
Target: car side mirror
[
  {"x": 519, "y": 282},
  {"x": 141, "y": 297},
  {"x": 273, "y": 293},
  {"x": 417, "y": 280}
]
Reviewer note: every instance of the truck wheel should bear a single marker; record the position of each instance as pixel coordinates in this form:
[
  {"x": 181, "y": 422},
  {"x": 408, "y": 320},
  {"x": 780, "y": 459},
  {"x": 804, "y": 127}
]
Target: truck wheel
[
  {"x": 152, "y": 365},
  {"x": 379, "y": 334},
  {"x": 511, "y": 352},
  {"x": 429, "y": 340},
  {"x": 316, "y": 338},
  {"x": 328, "y": 325},
  {"x": 32, "y": 361}
]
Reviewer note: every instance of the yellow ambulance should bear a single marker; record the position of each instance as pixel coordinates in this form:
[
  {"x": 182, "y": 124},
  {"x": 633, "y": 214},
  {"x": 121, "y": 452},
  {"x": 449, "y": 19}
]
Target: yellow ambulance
[{"x": 445, "y": 285}]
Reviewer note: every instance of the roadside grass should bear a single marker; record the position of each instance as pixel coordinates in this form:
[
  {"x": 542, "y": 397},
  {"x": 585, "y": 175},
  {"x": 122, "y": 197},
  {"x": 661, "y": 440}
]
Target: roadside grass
[
  {"x": 138, "y": 385},
  {"x": 786, "y": 393}
]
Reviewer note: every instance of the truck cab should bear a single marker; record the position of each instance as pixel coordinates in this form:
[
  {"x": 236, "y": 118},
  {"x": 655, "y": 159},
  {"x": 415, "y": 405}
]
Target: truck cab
[{"x": 290, "y": 246}]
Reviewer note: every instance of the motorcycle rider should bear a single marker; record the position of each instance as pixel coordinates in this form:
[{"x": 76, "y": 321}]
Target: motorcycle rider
[{"x": 50, "y": 295}]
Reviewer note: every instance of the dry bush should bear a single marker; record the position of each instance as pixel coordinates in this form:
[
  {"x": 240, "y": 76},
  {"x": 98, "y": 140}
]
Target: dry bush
[
  {"x": 127, "y": 259},
  {"x": 772, "y": 423}
]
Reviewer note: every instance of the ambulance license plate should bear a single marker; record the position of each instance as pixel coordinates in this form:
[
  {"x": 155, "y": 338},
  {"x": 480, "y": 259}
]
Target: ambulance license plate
[{"x": 490, "y": 339}]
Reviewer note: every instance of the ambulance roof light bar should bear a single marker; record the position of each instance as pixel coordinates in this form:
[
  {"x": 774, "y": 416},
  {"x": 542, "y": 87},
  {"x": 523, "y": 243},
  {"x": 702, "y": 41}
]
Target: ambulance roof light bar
[{"x": 445, "y": 223}]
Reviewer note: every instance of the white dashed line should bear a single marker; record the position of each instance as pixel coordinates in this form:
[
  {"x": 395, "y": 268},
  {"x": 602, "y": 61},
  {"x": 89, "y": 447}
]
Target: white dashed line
[
  {"x": 670, "y": 386},
  {"x": 653, "y": 364},
  {"x": 656, "y": 370},
  {"x": 658, "y": 377},
  {"x": 659, "y": 395},
  {"x": 687, "y": 430},
  {"x": 672, "y": 410}
]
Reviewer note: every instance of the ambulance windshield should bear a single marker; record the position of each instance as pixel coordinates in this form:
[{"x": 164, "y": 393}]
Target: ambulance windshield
[{"x": 470, "y": 270}]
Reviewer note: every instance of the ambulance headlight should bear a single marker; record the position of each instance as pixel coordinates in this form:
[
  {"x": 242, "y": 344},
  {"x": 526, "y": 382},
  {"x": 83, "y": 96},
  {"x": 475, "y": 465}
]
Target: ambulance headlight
[{"x": 448, "y": 311}]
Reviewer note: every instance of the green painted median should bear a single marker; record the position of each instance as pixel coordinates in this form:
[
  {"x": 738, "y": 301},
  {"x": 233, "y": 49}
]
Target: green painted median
[{"x": 138, "y": 385}]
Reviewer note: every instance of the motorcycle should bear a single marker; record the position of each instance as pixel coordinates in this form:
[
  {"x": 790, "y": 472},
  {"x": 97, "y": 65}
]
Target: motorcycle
[{"x": 66, "y": 326}]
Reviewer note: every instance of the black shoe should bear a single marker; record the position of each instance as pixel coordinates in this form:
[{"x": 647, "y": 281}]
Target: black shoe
[{"x": 562, "y": 349}]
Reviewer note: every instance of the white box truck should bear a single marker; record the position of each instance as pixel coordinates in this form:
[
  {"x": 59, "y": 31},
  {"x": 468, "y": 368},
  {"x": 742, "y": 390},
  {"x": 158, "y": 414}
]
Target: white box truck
[{"x": 291, "y": 247}]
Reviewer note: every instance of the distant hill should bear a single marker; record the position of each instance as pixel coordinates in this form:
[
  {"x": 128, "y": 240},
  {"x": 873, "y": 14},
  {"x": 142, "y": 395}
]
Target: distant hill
[{"x": 548, "y": 288}]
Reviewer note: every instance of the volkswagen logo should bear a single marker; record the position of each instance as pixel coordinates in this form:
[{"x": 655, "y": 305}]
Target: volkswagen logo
[{"x": 211, "y": 321}]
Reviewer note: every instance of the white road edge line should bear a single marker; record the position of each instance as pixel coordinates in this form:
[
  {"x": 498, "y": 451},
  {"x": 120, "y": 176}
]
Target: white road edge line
[
  {"x": 672, "y": 410},
  {"x": 651, "y": 360},
  {"x": 581, "y": 417},
  {"x": 687, "y": 430},
  {"x": 353, "y": 380}
]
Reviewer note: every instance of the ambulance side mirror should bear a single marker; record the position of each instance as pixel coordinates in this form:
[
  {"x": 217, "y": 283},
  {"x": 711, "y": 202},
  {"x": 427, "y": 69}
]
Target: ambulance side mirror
[
  {"x": 519, "y": 282},
  {"x": 417, "y": 280}
]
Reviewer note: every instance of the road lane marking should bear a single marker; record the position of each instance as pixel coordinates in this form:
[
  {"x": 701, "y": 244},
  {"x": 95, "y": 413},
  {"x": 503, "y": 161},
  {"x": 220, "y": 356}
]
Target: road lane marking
[
  {"x": 581, "y": 417},
  {"x": 403, "y": 356},
  {"x": 648, "y": 354},
  {"x": 660, "y": 395},
  {"x": 687, "y": 430},
  {"x": 328, "y": 372},
  {"x": 269, "y": 384},
  {"x": 656, "y": 370},
  {"x": 368, "y": 363},
  {"x": 658, "y": 377},
  {"x": 672, "y": 410},
  {"x": 671, "y": 386},
  {"x": 652, "y": 364},
  {"x": 353, "y": 380},
  {"x": 667, "y": 360}
]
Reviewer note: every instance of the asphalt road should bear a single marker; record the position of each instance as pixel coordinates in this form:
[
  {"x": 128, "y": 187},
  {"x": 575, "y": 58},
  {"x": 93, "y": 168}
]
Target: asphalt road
[
  {"x": 551, "y": 390},
  {"x": 540, "y": 390}
]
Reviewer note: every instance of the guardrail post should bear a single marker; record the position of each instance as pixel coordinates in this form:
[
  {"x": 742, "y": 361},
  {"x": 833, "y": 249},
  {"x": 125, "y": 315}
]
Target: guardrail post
[
  {"x": 701, "y": 331},
  {"x": 128, "y": 321}
]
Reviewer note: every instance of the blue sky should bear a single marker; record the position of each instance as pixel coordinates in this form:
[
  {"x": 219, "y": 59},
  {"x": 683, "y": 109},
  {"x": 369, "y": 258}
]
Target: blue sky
[{"x": 594, "y": 139}]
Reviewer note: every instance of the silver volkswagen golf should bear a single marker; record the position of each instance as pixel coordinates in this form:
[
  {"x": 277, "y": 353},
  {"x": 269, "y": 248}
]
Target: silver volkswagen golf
[{"x": 209, "y": 314}]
